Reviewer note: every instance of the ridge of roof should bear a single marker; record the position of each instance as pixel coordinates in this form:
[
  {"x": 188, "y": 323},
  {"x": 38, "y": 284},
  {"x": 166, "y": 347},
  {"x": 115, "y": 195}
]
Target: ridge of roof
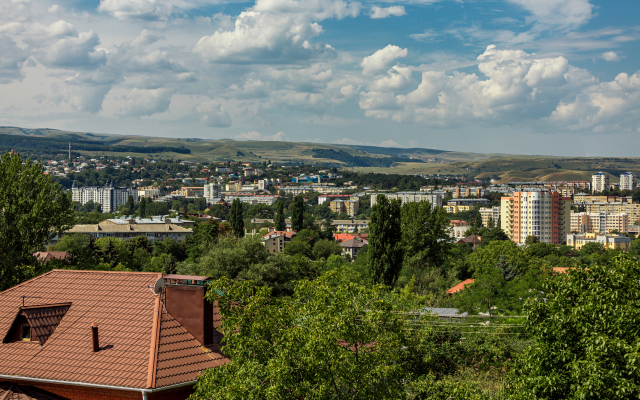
[{"x": 155, "y": 339}]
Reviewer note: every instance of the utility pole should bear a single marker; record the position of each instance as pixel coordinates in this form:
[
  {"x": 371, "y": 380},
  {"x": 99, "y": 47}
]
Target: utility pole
[{"x": 69, "y": 151}]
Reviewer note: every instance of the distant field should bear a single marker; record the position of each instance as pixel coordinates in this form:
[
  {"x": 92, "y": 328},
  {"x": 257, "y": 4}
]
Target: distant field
[
  {"x": 523, "y": 168},
  {"x": 502, "y": 167}
]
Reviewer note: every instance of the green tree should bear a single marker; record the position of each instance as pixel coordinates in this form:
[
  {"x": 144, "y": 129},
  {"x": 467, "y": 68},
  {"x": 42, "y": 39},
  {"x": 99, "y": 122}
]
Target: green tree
[
  {"x": 142, "y": 207},
  {"x": 33, "y": 209},
  {"x": 131, "y": 207},
  {"x": 531, "y": 239},
  {"x": 81, "y": 249},
  {"x": 323, "y": 342},
  {"x": 385, "y": 241},
  {"x": 204, "y": 235},
  {"x": 425, "y": 235},
  {"x": 326, "y": 248},
  {"x": 236, "y": 218},
  {"x": 478, "y": 221},
  {"x": 297, "y": 213},
  {"x": 157, "y": 208},
  {"x": 279, "y": 219},
  {"x": 585, "y": 334},
  {"x": 298, "y": 246}
]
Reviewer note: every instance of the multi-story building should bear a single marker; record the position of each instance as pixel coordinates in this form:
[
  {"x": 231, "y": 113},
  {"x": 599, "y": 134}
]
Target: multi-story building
[
  {"x": 107, "y": 196},
  {"x": 490, "y": 216},
  {"x": 253, "y": 199},
  {"x": 411, "y": 197},
  {"x": 456, "y": 209},
  {"x": 602, "y": 222},
  {"x": 212, "y": 191},
  {"x": 536, "y": 212},
  {"x": 631, "y": 209},
  {"x": 349, "y": 207},
  {"x": 296, "y": 190},
  {"x": 608, "y": 241},
  {"x": 468, "y": 202},
  {"x": 628, "y": 181},
  {"x": 155, "y": 232},
  {"x": 457, "y": 229},
  {"x": 469, "y": 191},
  {"x": 600, "y": 182},
  {"x": 149, "y": 192},
  {"x": 190, "y": 191},
  {"x": 350, "y": 225},
  {"x": 580, "y": 199}
]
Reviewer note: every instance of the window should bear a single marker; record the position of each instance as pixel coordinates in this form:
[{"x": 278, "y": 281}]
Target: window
[{"x": 25, "y": 333}]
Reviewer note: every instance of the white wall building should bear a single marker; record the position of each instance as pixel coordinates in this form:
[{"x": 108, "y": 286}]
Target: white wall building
[
  {"x": 212, "y": 191},
  {"x": 410, "y": 197},
  {"x": 628, "y": 181},
  {"x": 599, "y": 182},
  {"x": 107, "y": 196}
]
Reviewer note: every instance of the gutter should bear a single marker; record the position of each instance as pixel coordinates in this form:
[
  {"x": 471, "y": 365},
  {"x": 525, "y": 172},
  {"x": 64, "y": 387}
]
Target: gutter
[{"x": 144, "y": 392}]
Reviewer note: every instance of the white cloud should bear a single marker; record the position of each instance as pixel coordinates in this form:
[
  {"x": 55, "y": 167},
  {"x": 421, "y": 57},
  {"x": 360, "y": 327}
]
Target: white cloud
[
  {"x": 398, "y": 78},
  {"x": 145, "y": 102},
  {"x": 382, "y": 59},
  {"x": 607, "y": 105},
  {"x": 611, "y": 56},
  {"x": 557, "y": 14},
  {"x": 12, "y": 58},
  {"x": 516, "y": 87},
  {"x": 379, "y": 12},
  {"x": 389, "y": 143},
  {"x": 253, "y": 135},
  {"x": 75, "y": 52},
  {"x": 275, "y": 31},
  {"x": 137, "y": 9},
  {"x": 213, "y": 114}
]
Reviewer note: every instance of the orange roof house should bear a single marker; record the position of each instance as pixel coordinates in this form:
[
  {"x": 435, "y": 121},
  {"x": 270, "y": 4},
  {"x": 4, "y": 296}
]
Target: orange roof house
[
  {"x": 46, "y": 256},
  {"x": 145, "y": 346},
  {"x": 342, "y": 237},
  {"x": 459, "y": 287}
]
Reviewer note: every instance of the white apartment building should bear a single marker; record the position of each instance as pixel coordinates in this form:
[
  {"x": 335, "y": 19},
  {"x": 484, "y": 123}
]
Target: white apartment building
[
  {"x": 490, "y": 214},
  {"x": 599, "y": 222},
  {"x": 411, "y": 197},
  {"x": 107, "y": 196},
  {"x": 149, "y": 192},
  {"x": 628, "y": 181},
  {"x": 212, "y": 191},
  {"x": 599, "y": 182}
]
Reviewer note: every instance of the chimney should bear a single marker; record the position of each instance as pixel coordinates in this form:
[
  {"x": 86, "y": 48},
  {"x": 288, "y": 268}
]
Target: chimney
[
  {"x": 184, "y": 300},
  {"x": 94, "y": 336}
]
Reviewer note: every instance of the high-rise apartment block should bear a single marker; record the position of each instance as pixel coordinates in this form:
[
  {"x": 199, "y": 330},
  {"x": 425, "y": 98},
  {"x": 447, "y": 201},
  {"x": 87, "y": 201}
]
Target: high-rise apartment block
[
  {"x": 600, "y": 222},
  {"x": 599, "y": 182},
  {"x": 107, "y": 196},
  {"x": 411, "y": 197},
  {"x": 628, "y": 181},
  {"x": 212, "y": 191},
  {"x": 490, "y": 216},
  {"x": 349, "y": 207},
  {"x": 536, "y": 212}
]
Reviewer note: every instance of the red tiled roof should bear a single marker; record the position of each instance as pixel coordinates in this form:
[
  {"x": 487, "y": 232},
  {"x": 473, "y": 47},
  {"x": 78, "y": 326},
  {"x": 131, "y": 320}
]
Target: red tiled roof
[
  {"x": 287, "y": 234},
  {"x": 140, "y": 347},
  {"x": 342, "y": 237},
  {"x": 45, "y": 256},
  {"x": 460, "y": 286}
]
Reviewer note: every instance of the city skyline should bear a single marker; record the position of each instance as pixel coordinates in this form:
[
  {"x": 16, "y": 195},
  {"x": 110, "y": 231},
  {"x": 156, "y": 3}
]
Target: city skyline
[{"x": 515, "y": 76}]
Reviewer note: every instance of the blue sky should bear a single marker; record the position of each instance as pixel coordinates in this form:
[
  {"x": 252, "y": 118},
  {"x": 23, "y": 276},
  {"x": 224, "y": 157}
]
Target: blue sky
[{"x": 557, "y": 77}]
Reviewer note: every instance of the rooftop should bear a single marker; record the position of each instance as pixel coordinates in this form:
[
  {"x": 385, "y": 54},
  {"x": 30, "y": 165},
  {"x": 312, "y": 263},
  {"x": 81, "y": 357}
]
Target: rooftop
[{"x": 141, "y": 345}]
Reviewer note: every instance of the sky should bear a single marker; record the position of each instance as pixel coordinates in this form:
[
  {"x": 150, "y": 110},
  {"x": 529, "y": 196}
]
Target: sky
[{"x": 552, "y": 77}]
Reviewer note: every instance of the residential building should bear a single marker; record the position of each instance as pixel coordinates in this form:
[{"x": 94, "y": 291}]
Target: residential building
[
  {"x": 608, "y": 241},
  {"x": 600, "y": 182},
  {"x": 457, "y": 209},
  {"x": 349, "y": 207},
  {"x": 457, "y": 232},
  {"x": 490, "y": 215},
  {"x": 350, "y": 225},
  {"x": 581, "y": 199},
  {"x": 212, "y": 191},
  {"x": 296, "y": 190},
  {"x": 148, "y": 192},
  {"x": 80, "y": 335},
  {"x": 469, "y": 191},
  {"x": 628, "y": 181},
  {"x": 159, "y": 219},
  {"x": 249, "y": 172},
  {"x": 275, "y": 241},
  {"x": 411, "y": 197},
  {"x": 222, "y": 170},
  {"x": 475, "y": 240},
  {"x": 536, "y": 212},
  {"x": 190, "y": 191},
  {"x": 234, "y": 186},
  {"x": 154, "y": 232},
  {"x": 107, "y": 196},
  {"x": 631, "y": 209},
  {"x": 352, "y": 246},
  {"x": 468, "y": 202},
  {"x": 459, "y": 287},
  {"x": 601, "y": 222},
  {"x": 329, "y": 197},
  {"x": 253, "y": 199}
]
